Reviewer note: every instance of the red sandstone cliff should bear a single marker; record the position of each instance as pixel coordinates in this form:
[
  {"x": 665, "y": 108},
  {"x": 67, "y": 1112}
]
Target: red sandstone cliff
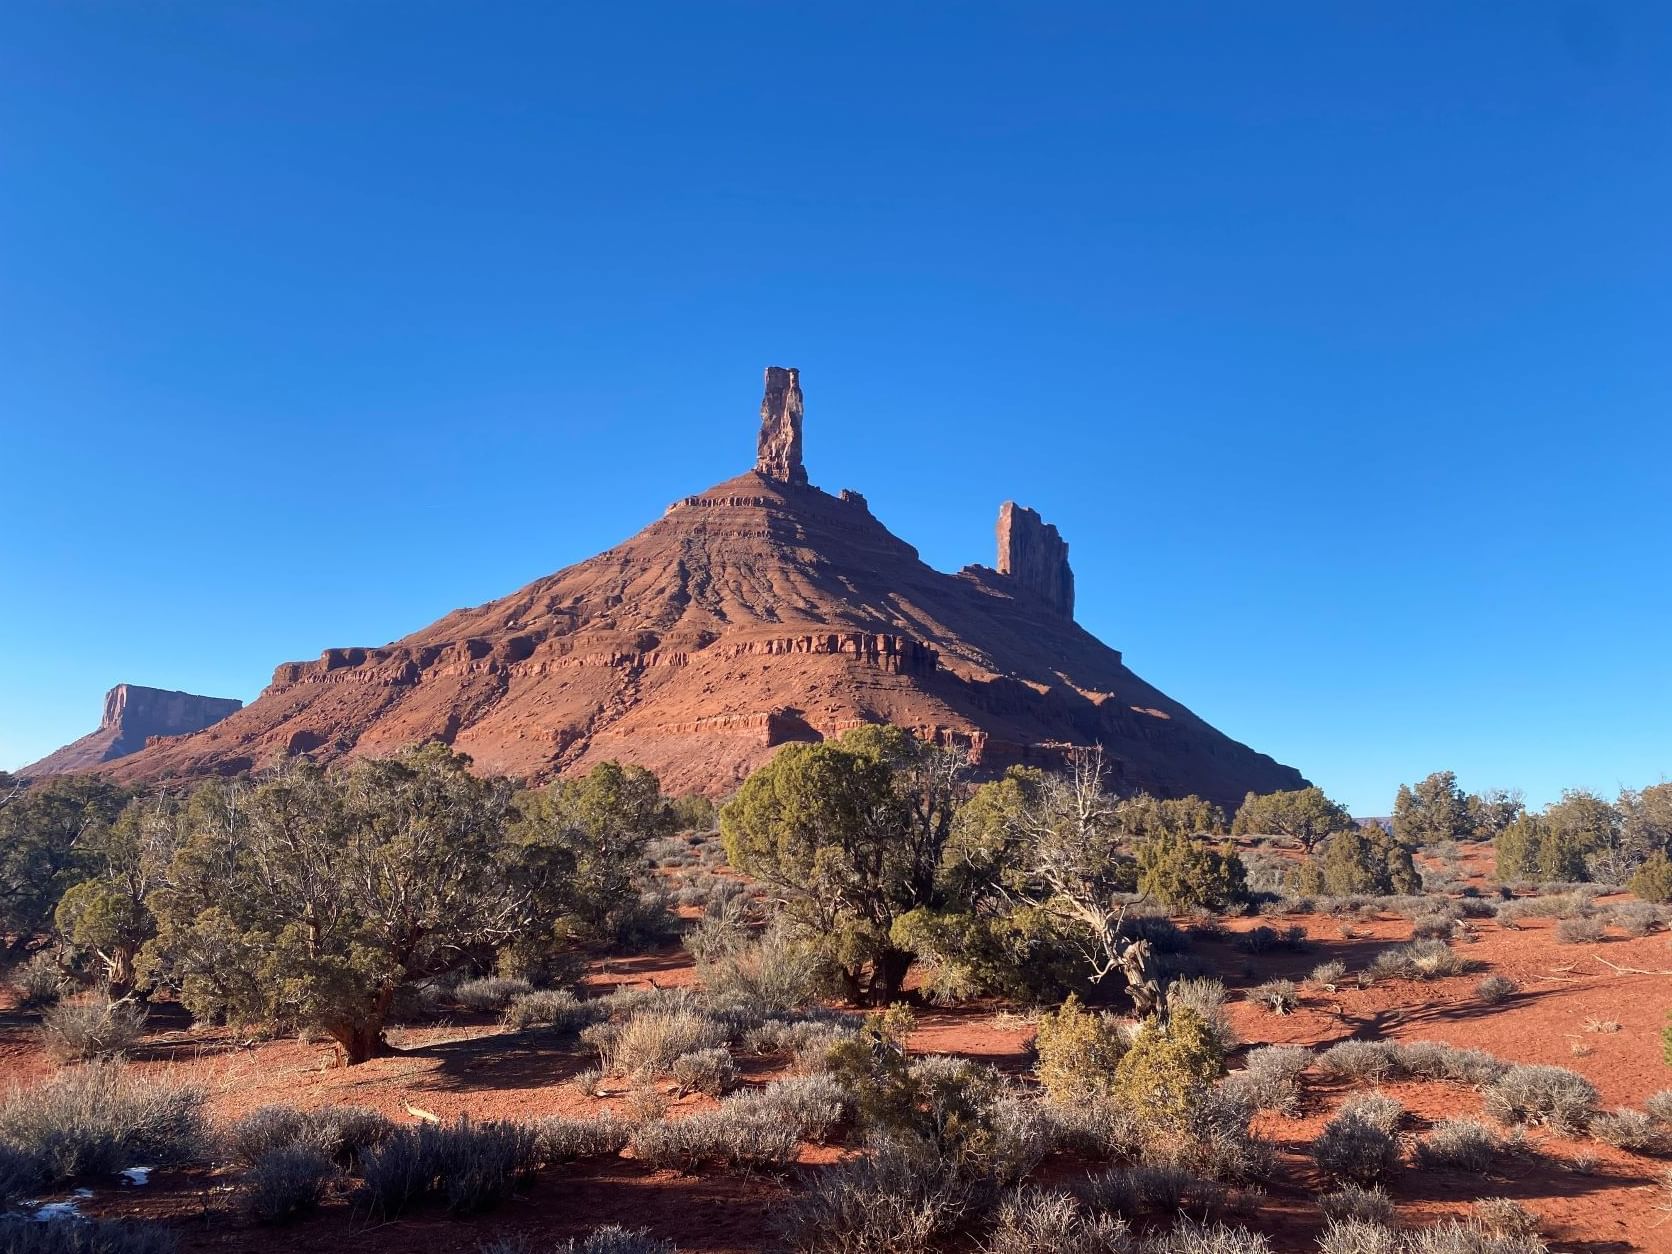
[
  {"x": 133, "y": 715},
  {"x": 760, "y": 611}
]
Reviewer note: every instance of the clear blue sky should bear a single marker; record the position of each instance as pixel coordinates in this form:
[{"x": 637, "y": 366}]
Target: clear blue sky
[{"x": 1337, "y": 338}]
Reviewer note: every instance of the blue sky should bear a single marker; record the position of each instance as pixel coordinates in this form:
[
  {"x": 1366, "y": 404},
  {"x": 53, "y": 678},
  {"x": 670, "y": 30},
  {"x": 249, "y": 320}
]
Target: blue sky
[{"x": 1333, "y": 336}]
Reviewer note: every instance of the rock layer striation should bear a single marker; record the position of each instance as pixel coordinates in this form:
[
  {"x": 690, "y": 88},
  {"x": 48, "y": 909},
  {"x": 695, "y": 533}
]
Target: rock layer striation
[{"x": 759, "y": 612}]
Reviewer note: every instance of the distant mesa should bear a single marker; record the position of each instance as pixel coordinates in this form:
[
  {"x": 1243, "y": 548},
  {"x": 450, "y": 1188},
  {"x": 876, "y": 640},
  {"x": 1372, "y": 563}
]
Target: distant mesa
[
  {"x": 133, "y": 716},
  {"x": 760, "y": 611}
]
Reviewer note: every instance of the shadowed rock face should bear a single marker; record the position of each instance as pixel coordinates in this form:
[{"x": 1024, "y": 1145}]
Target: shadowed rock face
[
  {"x": 133, "y": 715},
  {"x": 1036, "y": 557},
  {"x": 758, "y": 612}
]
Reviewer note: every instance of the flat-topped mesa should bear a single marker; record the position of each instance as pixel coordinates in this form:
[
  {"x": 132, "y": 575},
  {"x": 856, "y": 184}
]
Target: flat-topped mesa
[
  {"x": 1035, "y": 556},
  {"x": 778, "y": 454}
]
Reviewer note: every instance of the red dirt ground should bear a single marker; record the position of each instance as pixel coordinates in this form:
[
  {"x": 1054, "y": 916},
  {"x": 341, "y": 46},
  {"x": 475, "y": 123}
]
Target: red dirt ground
[{"x": 469, "y": 1067}]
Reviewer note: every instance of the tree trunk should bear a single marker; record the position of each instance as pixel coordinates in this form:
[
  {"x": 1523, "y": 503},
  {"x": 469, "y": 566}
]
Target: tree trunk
[
  {"x": 360, "y": 1043},
  {"x": 889, "y": 976}
]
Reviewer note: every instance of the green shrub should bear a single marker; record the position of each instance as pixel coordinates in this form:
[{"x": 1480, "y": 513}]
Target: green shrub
[
  {"x": 1183, "y": 873},
  {"x": 1165, "y": 1073},
  {"x": 283, "y": 1183},
  {"x": 1365, "y": 861},
  {"x": 1653, "y": 881},
  {"x": 1078, "y": 1052}
]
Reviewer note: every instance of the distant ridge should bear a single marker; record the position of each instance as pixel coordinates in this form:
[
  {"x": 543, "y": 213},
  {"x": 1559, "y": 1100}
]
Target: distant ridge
[
  {"x": 133, "y": 714},
  {"x": 760, "y": 611}
]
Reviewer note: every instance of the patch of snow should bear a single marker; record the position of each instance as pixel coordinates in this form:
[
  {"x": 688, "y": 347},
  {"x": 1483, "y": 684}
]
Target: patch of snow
[{"x": 139, "y": 1177}]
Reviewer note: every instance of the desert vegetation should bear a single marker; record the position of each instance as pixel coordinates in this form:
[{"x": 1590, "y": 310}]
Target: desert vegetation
[{"x": 777, "y": 993}]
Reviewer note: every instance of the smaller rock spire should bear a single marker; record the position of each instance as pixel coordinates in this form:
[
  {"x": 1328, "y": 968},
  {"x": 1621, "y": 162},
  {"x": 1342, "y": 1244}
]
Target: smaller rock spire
[
  {"x": 778, "y": 454},
  {"x": 1036, "y": 557}
]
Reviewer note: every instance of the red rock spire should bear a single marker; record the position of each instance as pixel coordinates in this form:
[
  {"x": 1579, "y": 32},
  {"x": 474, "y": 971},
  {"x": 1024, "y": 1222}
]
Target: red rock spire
[{"x": 779, "y": 451}]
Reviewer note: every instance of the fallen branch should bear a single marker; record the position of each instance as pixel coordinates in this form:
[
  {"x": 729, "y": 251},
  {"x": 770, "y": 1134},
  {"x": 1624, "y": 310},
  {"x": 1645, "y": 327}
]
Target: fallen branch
[{"x": 1628, "y": 970}]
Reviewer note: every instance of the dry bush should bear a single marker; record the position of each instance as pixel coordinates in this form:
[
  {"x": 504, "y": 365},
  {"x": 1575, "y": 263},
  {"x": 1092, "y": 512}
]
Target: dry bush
[
  {"x": 92, "y": 1027},
  {"x": 1495, "y": 989},
  {"x": 1580, "y": 930},
  {"x": 467, "y": 1165},
  {"x": 1327, "y": 975},
  {"x": 1278, "y": 996},
  {"x": 338, "y": 1132},
  {"x": 1360, "y": 1060},
  {"x": 729, "y": 1136},
  {"x": 1420, "y": 960},
  {"x": 555, "y": 1008},
  {"x": 1192, "y": 1238},
  {"x": 1352, "y": 1201},
  {"x": 1354, "y": 1150},
  {"x": 284, "y": 1183},
  {"x": 1658, "y": 1106},
  {"x": 1437, "y": 925},
  {"x": 1270, "y": 1078},
  {"x": 1377, "y": 1109},
  {"x": 562, "y": 1139},
  {"x": 24, "y": 1234},
  {"x": 889, "y": 1201},
  {"x": 1359, "y": 1236},
  {"x": 614, "y": 1239},
  {"x": 100, "y": 1118},
  {"x": 1459, "y": 1145},
  {"x": 1435, "y": 1060},
  {"x": 1631, "y": 1130},
  {"x": 1206, "y": 997},
  {"x": 1503, "y": 1217},
  {"x": 709, "y": 1071},
  {"x": 811, "y": 1106},
  {"x": 649, "y": 1041},
  {"x": 490, "y": 992},
  {"x": 36, "y": 982},
  {"x": 1040, "y": 1221},
  {"x": 1636, "y": 918},
  {"x": 1560, "y": 1099}
]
